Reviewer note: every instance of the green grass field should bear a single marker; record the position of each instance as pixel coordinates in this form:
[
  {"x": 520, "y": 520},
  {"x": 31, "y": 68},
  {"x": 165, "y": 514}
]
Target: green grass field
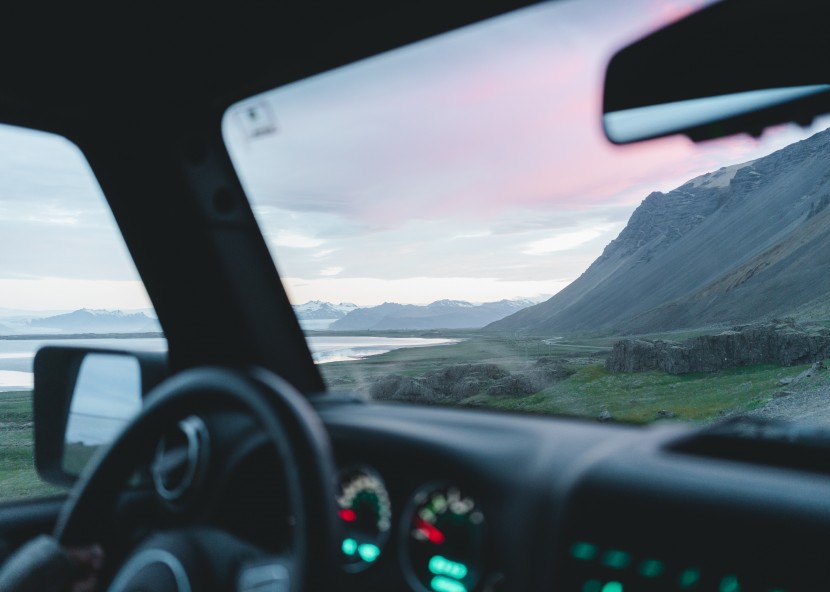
[
  {"x": 589, "y": 391},
  {"x": 642, "y": 396},
  {"x": 18, "y": 478}
]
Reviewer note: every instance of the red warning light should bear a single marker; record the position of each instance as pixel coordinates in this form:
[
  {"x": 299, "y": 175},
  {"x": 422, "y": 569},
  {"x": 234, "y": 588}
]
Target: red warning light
[{"x": 347, "y": 515}]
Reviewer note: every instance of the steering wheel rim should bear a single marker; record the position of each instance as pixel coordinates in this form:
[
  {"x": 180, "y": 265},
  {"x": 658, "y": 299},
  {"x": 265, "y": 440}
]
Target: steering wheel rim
[{"x": 290, "y": 424}]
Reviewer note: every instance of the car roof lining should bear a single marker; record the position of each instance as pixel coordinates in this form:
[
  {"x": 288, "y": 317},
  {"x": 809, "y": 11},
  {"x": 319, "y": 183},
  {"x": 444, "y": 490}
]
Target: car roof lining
[{"x": 80, "y": 61}]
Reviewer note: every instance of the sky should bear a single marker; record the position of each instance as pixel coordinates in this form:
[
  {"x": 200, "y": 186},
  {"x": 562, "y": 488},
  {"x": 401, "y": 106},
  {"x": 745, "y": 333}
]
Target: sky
[
  {"x": 59, "y": 245},
  {"x": 470, "y": 166}
]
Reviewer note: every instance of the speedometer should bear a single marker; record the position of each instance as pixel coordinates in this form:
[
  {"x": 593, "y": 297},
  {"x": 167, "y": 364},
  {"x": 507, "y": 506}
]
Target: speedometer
[
  {"x": 443, "y": 548},
  {"x": 366, "y": 515}
]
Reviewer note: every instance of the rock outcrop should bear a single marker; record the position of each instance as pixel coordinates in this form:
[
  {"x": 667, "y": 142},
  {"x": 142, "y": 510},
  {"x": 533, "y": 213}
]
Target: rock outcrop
[
  {"x": 456, "y": 383},
  {"x": 784, "y": 343}
]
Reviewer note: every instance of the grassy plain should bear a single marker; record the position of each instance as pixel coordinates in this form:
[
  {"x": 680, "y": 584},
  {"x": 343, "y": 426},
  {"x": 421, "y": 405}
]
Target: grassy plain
[
  {"x": 18, "y": 478},
  {"x": 649, "y": 396},
  {"x": 588, "y": 392}
]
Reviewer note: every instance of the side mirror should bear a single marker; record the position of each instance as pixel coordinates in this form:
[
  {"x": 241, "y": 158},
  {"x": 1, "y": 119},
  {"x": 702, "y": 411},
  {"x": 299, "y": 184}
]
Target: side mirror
[
  {"x": 733, "y": 67},
  {"x": 82, "y": 400}
]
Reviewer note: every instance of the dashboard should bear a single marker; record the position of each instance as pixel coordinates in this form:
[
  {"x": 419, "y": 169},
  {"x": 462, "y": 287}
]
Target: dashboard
[{"x": 461, "y": 500}]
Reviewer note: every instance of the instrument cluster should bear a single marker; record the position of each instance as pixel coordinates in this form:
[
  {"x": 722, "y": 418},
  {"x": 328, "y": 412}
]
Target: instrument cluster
[{"x": 440, "y": 532}]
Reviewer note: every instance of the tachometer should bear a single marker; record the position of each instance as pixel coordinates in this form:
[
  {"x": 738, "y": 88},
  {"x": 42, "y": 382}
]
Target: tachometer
[
  {"x": 366, "y": 514},
  {"x": 443, "y": 548}
]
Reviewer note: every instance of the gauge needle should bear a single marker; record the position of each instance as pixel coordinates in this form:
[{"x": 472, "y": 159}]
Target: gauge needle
[{"x": 434, "y": 535}]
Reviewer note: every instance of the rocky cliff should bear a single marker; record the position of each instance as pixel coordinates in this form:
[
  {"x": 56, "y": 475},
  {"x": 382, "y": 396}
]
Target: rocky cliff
[{"x": 784, "y": 343}]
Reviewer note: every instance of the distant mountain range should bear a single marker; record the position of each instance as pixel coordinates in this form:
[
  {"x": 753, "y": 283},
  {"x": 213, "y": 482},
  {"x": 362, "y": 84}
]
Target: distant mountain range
[
  {"x": 313, "y": 315},
  {"x": 78, "y": 322},
  {"x": 96, "y": 321},
  {"x": 744, "y": 243},
  {"x": 442, "y": 314}
]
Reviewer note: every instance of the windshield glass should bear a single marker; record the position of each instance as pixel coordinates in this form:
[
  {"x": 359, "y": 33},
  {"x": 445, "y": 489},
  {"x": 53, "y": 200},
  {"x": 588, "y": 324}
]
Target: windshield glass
[{"x": 453, "y": 228}]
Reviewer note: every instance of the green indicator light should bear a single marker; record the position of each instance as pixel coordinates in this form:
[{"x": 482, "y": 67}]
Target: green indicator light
[
  {"x": 442, "y": 584},
  {"x": 689, "y": 578},
  {"x": 368, "y": 553},
  {"x": 442, "y": 566},
  {"x": 730, "y": 584},
  {"x": 349, "y": 546},
  {"x": 592, "y": 586},
  {"x": 616, "y": 559},
  {"x": 651, "y": 568},
  {"x": 612, "y": 587},
  {"x": 584, "y": 551}
]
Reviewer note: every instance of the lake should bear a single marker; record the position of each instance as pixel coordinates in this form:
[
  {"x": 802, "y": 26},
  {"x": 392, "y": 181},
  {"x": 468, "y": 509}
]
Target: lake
[{"x": 17, "y": 355}]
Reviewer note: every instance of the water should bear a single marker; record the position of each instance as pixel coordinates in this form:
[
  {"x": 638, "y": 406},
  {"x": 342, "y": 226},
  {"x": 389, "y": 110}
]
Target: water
[
  {"x": 17, "y": 355},
  {"x": 343, "y": 348}
]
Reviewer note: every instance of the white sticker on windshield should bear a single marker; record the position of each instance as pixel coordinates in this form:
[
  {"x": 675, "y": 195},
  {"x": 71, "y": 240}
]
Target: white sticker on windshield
[{"x": 256, "y": 120}]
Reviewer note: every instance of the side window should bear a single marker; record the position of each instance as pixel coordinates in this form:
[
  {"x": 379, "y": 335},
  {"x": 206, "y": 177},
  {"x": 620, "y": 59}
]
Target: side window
[{"x": 65, "y": 277}]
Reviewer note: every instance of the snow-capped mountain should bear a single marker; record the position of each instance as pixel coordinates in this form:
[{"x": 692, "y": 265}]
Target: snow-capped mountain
[
  {"x": 441, "y": 314},
  {"x": 316, "y": 315},
  {"x": 316, "y": 309}
]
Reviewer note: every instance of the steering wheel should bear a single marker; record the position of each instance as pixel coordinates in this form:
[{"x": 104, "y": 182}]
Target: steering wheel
[{"x": 197, "y": 557}]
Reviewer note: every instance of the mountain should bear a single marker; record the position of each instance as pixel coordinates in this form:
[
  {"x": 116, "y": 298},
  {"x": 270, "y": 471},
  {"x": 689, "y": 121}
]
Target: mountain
[
  {"x": 744, "y": 243},
  {"x": 316, "y": 315},
  {"x": 96, "y": 321},
  {"x": 315, "y": 309},
  {"x": 442, "y": 314}
]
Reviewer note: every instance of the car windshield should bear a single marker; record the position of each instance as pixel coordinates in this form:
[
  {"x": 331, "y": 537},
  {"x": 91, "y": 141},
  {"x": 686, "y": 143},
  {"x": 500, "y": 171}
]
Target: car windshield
[{"x": 453, "y": 228}]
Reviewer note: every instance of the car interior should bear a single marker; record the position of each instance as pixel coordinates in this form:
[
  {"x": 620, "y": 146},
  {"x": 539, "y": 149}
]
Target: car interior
[{"x": 243, "y": 470}]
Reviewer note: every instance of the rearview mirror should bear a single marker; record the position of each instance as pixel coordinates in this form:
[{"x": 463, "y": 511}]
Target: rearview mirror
[
  {"x": 734, "y": 67},
  {"x": 82, "y": 400}
]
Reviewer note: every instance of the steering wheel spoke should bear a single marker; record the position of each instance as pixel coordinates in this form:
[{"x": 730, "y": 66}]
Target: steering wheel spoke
[{"x": 271, "y": 574}]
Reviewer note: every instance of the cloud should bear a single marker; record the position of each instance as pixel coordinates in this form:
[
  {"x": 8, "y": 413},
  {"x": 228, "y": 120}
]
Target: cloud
[
  {"x": 563, "y": 242},
  {"x": 295, "y": 240},
  {"x": 330, "y": 271},
  {"x": 323, "y": 253}
]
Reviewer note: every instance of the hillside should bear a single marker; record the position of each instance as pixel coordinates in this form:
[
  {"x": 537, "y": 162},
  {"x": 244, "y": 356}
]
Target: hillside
[{"x": 744, "y": 243}]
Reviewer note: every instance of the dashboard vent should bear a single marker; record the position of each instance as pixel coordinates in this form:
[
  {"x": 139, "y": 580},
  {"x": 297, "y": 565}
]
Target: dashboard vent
[{"x": 181, "y": 460}]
